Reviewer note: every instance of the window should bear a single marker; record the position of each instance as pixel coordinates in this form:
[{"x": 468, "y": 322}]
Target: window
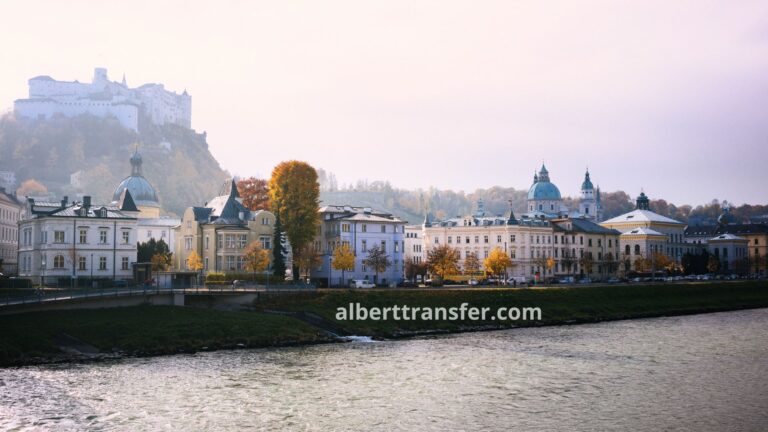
[
  {"x": 581, "y": 240},
  {"x": 383, "y": 245},
  {"x": 102, "y": 263},
  {"x": 266, "y": 242},
  {"x": 637, "y": 249},
  {"x": 81, "y": 263},
  {"x": 230, "y": 241},
  {"x": 126, "y": 236},
  {"x": 207, "y": 241},
  {"x": 364, "y": 228},
  {"x": 58, "y": 262},
  {"x": 498, "y": 239},
  {"x": 477, "y": 239},
  {"x": 383, "y": 228},
  {"x": 437, "y": 240},
  {"x": 58, "y": 236},
  {"x": 124, "y": 263},
  {"x": 187, "y": 242},
  {"x": 512, "y": 238},
  {"x": 449, "y": 239},
  {"x": 364, "y": 245},
  {"x": 219, "y": 244},
  {"x": 589, "y": 242},
  {"x": 206, "y": 264},
  {"x": 466, "y": 240},
  {"x": 537, "y": 239},
  {"x": 265, "y": 221},
  {"x": 626, "y": 250},
  {"x": 103, "y": 236},
  {"x": 243, "y": 241},
  {"x": 83, "y": 236},
  {"x": 397, "y": 247},
  {"x": 230, "y": 262},
  {"x": 513, "y": 254},
  {"x": 345, "y": 227},
  {"x": 485, "y": 239},
  {"x": 610, "y": 243}
]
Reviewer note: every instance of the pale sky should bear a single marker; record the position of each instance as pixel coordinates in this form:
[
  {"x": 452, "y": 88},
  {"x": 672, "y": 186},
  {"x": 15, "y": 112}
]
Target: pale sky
[{"x": 667, "y": 96}]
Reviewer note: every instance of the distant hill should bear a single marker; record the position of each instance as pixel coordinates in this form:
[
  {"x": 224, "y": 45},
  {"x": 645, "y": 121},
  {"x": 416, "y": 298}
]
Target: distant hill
[{"x": 89, "y": 155}]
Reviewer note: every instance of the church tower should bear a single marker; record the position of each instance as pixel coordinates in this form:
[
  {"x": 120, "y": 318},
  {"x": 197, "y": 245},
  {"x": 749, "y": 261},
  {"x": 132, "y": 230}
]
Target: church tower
[{"x": 588, "y": 205}]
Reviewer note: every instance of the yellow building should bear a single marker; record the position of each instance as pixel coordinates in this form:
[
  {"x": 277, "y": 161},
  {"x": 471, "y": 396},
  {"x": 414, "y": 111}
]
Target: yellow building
[{"x": 220, "y": 232}]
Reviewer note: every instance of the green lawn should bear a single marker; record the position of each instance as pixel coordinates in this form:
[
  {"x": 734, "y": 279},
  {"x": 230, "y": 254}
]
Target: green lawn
[
  {"x": 146, "y": 330},
  {"x": 558, "y": 305}
]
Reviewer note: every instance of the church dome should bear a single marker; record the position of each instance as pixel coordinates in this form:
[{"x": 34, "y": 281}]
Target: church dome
[
  {"x": 544, "y": 191},
  {"x": 587, "y": 184},
  {"x": 542, "y": 188},
  {"x": 141, "y": 190}
]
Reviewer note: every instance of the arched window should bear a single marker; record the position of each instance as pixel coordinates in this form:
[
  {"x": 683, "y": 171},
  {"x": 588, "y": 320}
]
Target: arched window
[
  {"x": 637, "y": 249},
  {"x": 58, "y": 261}
]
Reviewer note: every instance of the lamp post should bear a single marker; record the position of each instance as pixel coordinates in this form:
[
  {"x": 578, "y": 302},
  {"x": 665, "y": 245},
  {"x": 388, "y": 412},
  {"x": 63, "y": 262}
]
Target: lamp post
[
  {"x": 91, "y": 270},
  {"x": 330, "y": 268}
]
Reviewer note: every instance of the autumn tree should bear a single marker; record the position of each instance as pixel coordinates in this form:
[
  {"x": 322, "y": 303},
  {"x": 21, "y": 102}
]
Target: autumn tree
[
  {"x": 443, "y": 260},
  {"x": 254, "y": 192},
  {"x": 587, "y": 263},
  {"x": 256, "y": 259},
  {"x": 194, "y": 262},
  {"x": 160, "y": 262},
  {"x": 148, "y": 249},
  {"x": 471, "y": 264},
  {"x": 31, "y": 187},
  {"x": 414, "y": 268},
  {"x": 378, "y": 260},
  {"x": 305, "y": 259},
  {"x": 295, "y": 195},
  {"x": 343, "y": 259},
  {"x": 497, "y": 262}
]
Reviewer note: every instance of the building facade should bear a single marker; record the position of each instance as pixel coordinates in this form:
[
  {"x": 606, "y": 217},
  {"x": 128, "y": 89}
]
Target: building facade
[
  {"x": 104, "y": 98},
  {"x": 361, "y": 228},
  {"x": 62, "y": 242},
  {"x": 10, "y": 214},
  {"x": 645, "y": 234},
  {"x": 220, "y": 232},
  {"x": 414, "y": 244}
]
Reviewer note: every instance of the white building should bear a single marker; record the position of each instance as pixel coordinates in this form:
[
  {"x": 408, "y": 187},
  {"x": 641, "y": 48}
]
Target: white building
[
  {"x": 105, "y": 98},
  {"x": 60, "y": 242},
  {"x": 731, "y": 251},
  {"x": 10, "y": 213},
  {"x": 361, "y": 228},
  {"x": 414, "y": 244}
]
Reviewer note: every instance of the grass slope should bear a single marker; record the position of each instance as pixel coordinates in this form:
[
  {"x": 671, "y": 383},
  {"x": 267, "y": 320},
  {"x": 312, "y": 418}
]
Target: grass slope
[
  {"x": 558, "y": 305},
  {"x": 145, "y": 330}
]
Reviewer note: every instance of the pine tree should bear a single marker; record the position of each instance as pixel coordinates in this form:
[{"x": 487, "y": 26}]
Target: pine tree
[{"x": 278, "y": 249}]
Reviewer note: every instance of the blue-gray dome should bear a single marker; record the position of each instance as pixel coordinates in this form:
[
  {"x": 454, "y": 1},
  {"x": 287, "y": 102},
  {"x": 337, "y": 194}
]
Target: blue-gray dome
[
  {"x": 587, "y": 184},
  {"x": 141, "y": 190},
  {"x": 544, "y": 191}
]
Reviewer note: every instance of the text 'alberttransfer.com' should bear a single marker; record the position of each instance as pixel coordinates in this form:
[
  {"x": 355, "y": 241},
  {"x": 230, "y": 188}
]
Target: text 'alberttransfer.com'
[{"x": 357, "y": 312}]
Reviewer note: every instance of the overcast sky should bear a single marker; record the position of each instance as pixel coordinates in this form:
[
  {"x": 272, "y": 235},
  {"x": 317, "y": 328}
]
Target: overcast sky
[{"x": 667, "y": 96}]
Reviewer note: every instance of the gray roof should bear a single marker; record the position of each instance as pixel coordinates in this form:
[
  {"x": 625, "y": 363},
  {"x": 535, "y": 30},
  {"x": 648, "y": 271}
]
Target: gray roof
[{"x": 585, "y": 226}]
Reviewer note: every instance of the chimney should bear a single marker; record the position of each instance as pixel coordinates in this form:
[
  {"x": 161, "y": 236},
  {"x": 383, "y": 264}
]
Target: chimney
[
  {"x": 64, "y": 201},
  {"x": 87, "y": 202}
]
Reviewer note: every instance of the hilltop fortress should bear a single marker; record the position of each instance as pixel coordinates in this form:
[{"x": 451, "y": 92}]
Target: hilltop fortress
[{"x": 105, "y": 98}]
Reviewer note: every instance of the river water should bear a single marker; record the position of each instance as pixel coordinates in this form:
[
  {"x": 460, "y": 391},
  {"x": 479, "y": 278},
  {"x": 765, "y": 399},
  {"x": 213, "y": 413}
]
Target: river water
[{"x": 699, "y": 373}]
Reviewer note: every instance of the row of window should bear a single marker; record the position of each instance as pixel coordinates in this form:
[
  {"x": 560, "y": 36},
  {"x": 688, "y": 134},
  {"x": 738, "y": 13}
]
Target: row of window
[
  {"x": 59, "y": 263},
  {"x": 61, "y": 236},
  {"x": 8, "y": 234},
  {"x": 228, "y": 241},
  {"x": 332, "y": 245},
  {"x": 9, "y": 215},
  {"x": 346, "y": 227}
]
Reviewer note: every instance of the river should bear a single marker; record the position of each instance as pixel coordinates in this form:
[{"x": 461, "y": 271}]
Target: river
[{"x": 700, "y": 373}]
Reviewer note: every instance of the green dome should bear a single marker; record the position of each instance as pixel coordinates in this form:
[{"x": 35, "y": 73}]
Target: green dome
[
  {"x": 587, "y": 185},
  {"x": 544, "y": 191}
]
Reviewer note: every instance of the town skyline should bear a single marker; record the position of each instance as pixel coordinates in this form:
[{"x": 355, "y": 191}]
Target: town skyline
[{"x": 405, "y": 100}]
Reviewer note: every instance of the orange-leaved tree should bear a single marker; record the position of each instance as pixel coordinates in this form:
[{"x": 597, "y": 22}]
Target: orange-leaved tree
[
  {"x": 343, "y": 259},
  {"x": 254, "y": 192},
  {"x": 497, "y": 262},
  {"x": 295, "y": 194}
]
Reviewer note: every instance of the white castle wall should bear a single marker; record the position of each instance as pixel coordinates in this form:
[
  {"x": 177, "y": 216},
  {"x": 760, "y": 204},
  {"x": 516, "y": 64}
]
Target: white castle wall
[{"x": 104, "y": 98}]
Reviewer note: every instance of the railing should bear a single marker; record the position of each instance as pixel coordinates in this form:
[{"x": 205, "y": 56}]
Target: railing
[{"x": 38, "y": 296}]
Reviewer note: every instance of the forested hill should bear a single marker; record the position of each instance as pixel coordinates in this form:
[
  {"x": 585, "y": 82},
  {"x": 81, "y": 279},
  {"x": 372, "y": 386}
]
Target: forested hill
[{"x": 89, "y": 155}]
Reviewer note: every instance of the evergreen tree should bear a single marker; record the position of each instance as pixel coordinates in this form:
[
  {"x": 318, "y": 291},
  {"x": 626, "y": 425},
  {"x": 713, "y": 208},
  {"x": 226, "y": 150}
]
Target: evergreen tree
[{"x": 278, "y": 249}]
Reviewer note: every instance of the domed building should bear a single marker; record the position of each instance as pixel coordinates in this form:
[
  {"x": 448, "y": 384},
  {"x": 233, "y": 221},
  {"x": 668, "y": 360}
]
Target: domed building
[
  {"x": 143, "y": 193},
  {"x": 544, "y": 199}
]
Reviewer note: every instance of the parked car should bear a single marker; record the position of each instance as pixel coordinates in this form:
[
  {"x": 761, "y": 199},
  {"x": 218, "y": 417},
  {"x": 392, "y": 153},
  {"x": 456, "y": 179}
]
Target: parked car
[
  {"x": 360, "y": 283},
  {"x": 472, "y": 282}
]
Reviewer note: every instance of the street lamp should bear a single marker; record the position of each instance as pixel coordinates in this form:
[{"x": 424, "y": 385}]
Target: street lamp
[
  {"x": 91, "y": 269},
  {"x": 330, "y": 268}
]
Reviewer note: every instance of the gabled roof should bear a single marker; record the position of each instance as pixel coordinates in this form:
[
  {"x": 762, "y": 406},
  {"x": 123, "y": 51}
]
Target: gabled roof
[
  {"x": 584, "y": 225},
  {"x": 643, "y": 231},
  {"x": 641, "y": 216},
  {"x": 728, "y": 237}
]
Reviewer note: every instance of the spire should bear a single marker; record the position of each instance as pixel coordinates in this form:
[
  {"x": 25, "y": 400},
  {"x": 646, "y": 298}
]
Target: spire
[
  {"x": 233, "y": 189},
  {"x": 535, "y": 177},
  {"x": 587, "y": 184},
  {"x": 136, "y": 163},
  {"x": 511, "y": 219},
  {"x": 543, "y": 173},
  {"x": 124, "y": 83},
  {"x": 427, "y": 220}
]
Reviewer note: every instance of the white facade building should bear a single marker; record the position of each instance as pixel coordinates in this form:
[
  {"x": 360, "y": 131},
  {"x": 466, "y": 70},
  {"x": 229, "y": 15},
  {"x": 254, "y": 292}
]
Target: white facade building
[
  {"x": 10, "y": 213},
  {"x": 414, "y": 244},
  {"x": 105, "y": 98},
  {"x": 361, "y": 228},
  {"x": 60, "y": 242}
]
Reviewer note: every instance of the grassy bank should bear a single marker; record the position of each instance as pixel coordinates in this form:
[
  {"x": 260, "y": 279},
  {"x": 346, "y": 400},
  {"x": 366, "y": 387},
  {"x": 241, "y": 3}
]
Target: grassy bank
[
  {"x": 143, "y": 330},
  {"x": 558, "y": 305}
]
